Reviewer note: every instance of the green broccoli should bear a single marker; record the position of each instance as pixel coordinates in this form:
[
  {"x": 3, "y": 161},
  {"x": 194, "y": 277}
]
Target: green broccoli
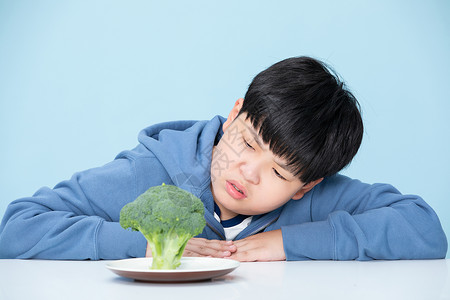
[{"x": 168, "y": 217}]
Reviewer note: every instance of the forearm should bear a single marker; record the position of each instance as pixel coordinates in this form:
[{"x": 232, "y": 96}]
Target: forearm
[
  {"x": 403, "y": 232},
  {"x": 30, "y": 231},
  {"x": 75, "y": 220},
  {"x": 354, "y": 220}
]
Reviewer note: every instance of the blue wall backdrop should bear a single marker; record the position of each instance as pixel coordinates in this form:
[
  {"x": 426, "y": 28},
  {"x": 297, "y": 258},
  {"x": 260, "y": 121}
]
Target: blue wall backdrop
[{"x": 79, "y": 79}]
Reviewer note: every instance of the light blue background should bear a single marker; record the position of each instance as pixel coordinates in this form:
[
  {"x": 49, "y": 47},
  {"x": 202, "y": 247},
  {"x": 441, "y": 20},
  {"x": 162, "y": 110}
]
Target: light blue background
[{"x": 79, "y": 79}]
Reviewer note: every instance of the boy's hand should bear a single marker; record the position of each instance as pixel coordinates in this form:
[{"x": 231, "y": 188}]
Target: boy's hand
[
  {"x": 213, "y": 248},
  {"x": 204, "y": 247},
  {"x": 266, "y": 246}
]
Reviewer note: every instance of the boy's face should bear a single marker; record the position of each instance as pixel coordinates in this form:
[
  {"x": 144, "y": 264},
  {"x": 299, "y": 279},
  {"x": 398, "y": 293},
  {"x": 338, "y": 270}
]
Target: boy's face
[{"x": 246, "y": 177}]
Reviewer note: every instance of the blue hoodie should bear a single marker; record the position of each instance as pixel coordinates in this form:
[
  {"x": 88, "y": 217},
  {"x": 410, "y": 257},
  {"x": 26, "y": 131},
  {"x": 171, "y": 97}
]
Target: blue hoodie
[{"x": 340, "y": 219}]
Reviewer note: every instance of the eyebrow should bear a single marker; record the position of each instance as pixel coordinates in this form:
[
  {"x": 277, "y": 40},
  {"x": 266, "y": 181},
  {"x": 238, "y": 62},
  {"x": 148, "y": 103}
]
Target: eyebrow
[{"x": 258, "y": 141}]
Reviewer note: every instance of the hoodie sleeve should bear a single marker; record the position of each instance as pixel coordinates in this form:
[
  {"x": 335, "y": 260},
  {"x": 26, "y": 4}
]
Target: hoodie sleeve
[
  {"x": 77, "y": 219},
  {"x": 356, "y": 221}
]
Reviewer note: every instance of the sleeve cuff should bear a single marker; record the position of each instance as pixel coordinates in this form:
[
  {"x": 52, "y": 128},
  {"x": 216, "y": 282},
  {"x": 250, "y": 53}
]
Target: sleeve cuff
[
  {"x": 114, "y": 242},
  {"x": 314, "y": 240}
]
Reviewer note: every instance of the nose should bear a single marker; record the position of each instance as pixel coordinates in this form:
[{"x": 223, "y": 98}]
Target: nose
[{"x": 250, "y": 171}]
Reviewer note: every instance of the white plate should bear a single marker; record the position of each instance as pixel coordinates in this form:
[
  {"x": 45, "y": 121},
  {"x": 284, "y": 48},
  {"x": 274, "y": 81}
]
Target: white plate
[{"x": 190, "y": 269}]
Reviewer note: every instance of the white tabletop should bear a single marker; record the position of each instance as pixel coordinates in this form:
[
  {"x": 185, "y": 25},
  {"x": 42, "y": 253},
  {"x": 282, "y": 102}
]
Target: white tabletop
[{"x": 39, "y": 279}]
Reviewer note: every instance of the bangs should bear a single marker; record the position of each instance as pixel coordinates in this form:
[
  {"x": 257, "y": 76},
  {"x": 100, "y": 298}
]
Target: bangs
[{"x": 282, "y": 137}]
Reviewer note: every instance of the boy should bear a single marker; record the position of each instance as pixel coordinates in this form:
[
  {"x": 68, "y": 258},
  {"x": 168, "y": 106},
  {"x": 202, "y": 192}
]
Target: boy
[{"x": 267, "y": 176}]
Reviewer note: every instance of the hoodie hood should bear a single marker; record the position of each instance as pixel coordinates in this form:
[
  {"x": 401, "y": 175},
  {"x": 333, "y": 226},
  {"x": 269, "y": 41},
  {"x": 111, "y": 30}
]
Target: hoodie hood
[{"x": 189, "y": 167}]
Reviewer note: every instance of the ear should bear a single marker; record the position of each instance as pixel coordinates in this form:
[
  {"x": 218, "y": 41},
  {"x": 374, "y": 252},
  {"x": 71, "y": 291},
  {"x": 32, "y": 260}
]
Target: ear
[
  {"x": 306, "y": 188},
  {"x": 233, "y": 113}
]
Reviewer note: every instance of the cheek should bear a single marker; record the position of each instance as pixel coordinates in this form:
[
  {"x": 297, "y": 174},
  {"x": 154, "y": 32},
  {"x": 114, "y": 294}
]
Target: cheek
[
  {"x": 227, "y": 158},
  {"x": 223, "y": 162},
  {"x": 274, "y": 196}
]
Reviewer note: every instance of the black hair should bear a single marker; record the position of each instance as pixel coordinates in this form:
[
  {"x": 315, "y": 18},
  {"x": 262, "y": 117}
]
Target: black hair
[{"x": 306, "y": 115}]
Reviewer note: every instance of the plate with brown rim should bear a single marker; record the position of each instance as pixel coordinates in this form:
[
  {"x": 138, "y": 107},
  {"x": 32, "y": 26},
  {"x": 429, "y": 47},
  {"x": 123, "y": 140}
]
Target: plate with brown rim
[{"x": 190, "y": 269}]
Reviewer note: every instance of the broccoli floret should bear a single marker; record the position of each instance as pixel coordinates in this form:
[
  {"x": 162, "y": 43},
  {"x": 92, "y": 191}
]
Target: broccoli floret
[{"x": 168, "y": 217}]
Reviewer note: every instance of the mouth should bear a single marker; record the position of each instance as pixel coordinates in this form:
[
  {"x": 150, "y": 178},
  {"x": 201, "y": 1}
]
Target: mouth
[{"x": 235, "y": 190}]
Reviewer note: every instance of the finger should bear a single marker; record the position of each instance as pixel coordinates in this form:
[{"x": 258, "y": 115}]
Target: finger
[
  {"x": 188, "y": 253},
  {"x": 243, "y": 256},
  {"x": 213, "y": 248},
  {"x": 203, "y": 253},
  {"x": 148, "y": 251},
  {"x": 216, "y": 244},
  {"x": 211, "y": 244}
]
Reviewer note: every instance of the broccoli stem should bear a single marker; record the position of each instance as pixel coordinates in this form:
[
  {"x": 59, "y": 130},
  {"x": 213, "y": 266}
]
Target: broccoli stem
[{"x": 167, "y": 249}]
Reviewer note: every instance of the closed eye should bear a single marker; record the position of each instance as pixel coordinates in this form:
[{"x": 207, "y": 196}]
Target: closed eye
[
  {"x": 247, "y": 144},
  {"x": 278, "y": 174}
]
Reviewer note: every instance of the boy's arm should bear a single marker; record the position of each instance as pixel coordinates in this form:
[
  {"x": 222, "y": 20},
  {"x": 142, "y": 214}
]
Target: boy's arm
[
  {"x": 354, "y": 221},
  {"x": 78, "y": 219}
]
